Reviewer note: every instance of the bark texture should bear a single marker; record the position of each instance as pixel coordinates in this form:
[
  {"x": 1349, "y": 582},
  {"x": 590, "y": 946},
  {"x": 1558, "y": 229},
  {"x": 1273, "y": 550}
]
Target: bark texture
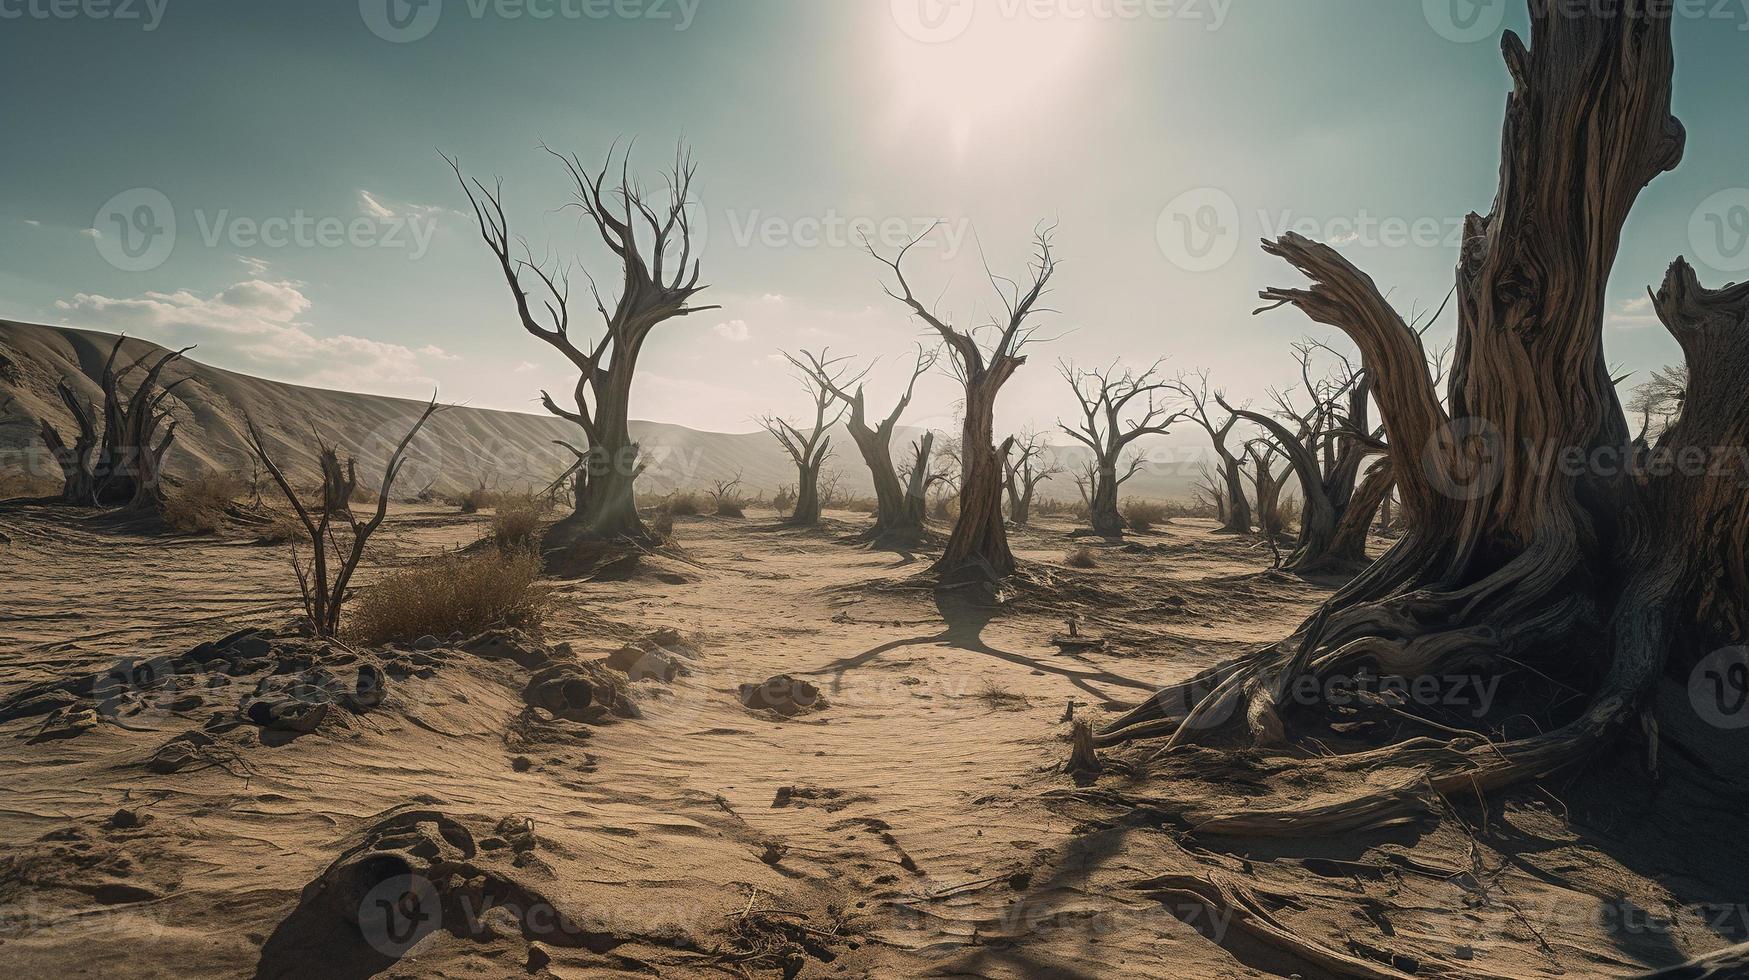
[{"x": 1530, "y": 549}]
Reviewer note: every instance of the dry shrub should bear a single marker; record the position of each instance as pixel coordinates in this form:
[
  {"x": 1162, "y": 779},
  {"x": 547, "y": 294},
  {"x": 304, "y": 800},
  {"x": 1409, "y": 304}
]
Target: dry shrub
[
  {"x": 663, "y": 522},
  {"x": 516, "y": 521},
  {"x": 479, "y": 499},
  {"x": 1081, "y": 557},
  {"x": 1289, "y": 510},
  {"x": 1143, "y": 515},
  {"x": 683, "y": 504},
  {"x": 449, "y": 594},
  {"x": 280, "y": 528},
  {"x": 1055, "y": 507},
  {"x": 198, "y": 506},
  {"x": 945, "y": 508},
  {"x": 731, "y": 507},
  {"x": 785, "y": 500},
  {"x": 861, "y": 505}
]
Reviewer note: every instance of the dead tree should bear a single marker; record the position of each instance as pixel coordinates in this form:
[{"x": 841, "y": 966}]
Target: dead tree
[
  {"x": 898, "y": 515},
  {"x": 323, "y": 583},
  {"x": 1266, "y": 485},
  {"x": 725, "y": 501},
  {"x": 1104, "y": 429},
  {"x": 659, "y": 277},
  {"x": 1031, "y": 464},
  {"x": 117, "y": 455},
  {"x": 1515, "y": 559},
  {"x": 809, "y": 449},
  {"x": 1327, "y": 447},
  {"x": 1235, "y": 511},
  {"x": 984, "y": 358}
]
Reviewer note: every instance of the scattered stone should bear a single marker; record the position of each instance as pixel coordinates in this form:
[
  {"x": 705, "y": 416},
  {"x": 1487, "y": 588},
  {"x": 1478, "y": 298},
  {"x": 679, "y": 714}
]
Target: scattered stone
[
  {"x": 521, "y": 763},
  {"x": 427, "y": 642},
  {"x": 124, "y": 819},
  {"x": 783, "y": 694},
  {"x": 512, "y": 645}
]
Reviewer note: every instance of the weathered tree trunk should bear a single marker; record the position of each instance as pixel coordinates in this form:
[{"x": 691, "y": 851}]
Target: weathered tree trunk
[
  {"x": 1347, "y": 547},
  {"x": 1102, "y": 506},
  {"x": 1236, "y": 516},
  {"x": 916, "y": 499},
  {"x": 1527, "y": 542},
  {"x": 78, "y": 474},
  {"x": 980, "y": 539},
  {"x": 807, "y": 512}
]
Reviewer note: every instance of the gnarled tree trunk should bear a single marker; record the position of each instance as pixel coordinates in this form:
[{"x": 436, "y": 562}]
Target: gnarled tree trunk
[{"x": 1527, "y": 541}]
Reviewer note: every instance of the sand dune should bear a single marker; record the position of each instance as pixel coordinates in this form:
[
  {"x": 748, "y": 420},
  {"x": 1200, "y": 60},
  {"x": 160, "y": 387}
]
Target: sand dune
[{"x": 461, "y": 448}]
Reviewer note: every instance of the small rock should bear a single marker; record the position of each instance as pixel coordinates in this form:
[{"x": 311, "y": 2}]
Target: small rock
[
  {"x": 521, "y": 763},
  {"x": 426, "y": 642},
  {"x": 538, "y": 957},
  {"x": 124, "y": 818}
]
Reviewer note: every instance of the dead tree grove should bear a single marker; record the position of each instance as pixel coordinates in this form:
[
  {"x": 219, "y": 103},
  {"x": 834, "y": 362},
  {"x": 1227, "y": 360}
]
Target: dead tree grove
[
  {"x": 808, "y": 449},
  {"x": 1530, "y": 551},
  {"x": 984, "y": 358},
  {"x": 898, "y": 513},
  {"x": 1327, "y": 448},
  {"x": 659, "y": 276},
  {"x": 1108, "y": 432}
]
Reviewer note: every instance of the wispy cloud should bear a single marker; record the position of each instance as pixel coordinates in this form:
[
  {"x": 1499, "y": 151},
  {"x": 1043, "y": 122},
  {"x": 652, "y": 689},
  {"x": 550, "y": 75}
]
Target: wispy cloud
[
  {"x": 735, "y": 330},
  {"x": 260, "y": 322}
]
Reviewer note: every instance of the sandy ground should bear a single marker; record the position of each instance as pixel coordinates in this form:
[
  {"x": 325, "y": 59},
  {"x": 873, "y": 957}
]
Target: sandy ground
[{"x": 917, "y": 825}]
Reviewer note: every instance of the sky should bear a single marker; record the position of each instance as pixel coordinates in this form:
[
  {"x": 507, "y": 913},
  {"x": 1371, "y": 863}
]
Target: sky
[{"x": 263, "y": 178}]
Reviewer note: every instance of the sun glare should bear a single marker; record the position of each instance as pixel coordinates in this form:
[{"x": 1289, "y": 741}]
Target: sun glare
[{"x": 1005, "y": 66}]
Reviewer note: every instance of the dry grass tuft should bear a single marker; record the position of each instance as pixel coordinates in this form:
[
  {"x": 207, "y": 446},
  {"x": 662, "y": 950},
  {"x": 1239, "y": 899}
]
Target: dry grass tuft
[
  {"x": 449, "y": 594},
  {"x": 1081, "y": 557},
  {"x": 683, "y": 504},
  {"x": 997, "y": 696},
  {"x": 516, "y": 522},
  {"x": 280, "y": 528},
  {"x": 1145, "y": 515},
  {"x": 731, "y": 507},
  {"x": 198, "y": 506}
]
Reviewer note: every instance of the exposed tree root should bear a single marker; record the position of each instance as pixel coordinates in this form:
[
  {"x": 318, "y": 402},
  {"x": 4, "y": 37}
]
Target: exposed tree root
[{"x": 1230, "y": 902}]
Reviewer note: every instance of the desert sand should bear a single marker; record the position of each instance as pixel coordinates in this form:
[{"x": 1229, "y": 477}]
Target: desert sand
[{"x": 913, "y": 821}]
